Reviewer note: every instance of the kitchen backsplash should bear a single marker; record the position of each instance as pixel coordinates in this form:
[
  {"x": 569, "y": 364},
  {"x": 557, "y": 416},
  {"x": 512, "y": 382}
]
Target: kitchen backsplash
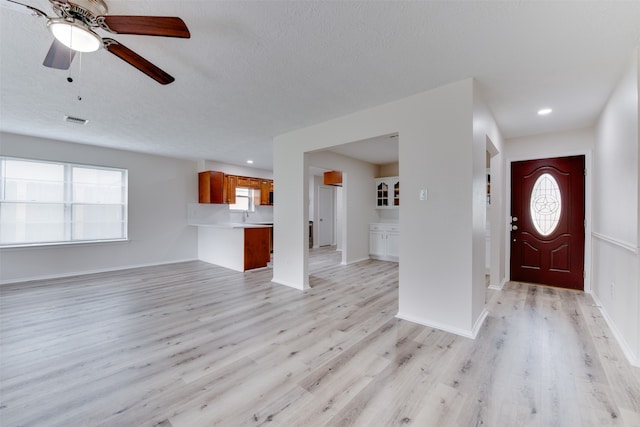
[{"x": 200, "y": 213}]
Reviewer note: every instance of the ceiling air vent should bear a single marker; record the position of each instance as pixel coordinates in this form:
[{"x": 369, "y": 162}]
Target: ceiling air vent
[{"x": 76, "y": 120}]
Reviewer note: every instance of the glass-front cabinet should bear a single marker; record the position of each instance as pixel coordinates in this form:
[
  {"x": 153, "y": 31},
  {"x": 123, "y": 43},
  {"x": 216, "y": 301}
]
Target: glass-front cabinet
[{"x": 387, "y": 192}]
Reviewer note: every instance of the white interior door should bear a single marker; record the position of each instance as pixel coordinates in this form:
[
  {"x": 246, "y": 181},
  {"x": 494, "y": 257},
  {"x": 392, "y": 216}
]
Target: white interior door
[{"x": 326, "y": 218}]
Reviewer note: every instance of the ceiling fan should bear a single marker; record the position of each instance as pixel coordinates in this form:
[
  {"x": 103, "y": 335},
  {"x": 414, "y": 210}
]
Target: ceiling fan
[{"x": 76, "y": 20}]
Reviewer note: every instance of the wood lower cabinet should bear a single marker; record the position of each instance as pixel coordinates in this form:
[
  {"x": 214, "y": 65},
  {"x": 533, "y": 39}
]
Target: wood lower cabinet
[
  {"x": 384, "y": 241},
  {"x": 256, "y": 247},
  {"x": 239, "y": 248}
]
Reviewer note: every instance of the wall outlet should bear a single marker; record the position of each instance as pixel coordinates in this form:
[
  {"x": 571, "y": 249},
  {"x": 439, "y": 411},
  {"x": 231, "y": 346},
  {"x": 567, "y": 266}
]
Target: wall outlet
[{"x": 612, "y": 287}]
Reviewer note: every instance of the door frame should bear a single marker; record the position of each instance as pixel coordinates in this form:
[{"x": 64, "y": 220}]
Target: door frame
[{"x": 588, "y": 190}]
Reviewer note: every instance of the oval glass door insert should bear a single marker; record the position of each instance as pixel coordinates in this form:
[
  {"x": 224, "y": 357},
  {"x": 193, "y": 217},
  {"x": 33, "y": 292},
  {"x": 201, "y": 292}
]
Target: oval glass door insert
[{"x": 545, "y": 204}]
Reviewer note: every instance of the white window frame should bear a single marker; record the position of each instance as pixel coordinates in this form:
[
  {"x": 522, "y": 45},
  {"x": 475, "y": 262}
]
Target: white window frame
[
  {"x": 251, "y": 205},
  {"x": 69, "y": 204}
]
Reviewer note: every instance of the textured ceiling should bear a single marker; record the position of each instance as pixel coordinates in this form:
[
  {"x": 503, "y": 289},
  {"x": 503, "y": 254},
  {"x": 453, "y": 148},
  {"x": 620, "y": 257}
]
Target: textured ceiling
[{"x": 253, "y": 70}]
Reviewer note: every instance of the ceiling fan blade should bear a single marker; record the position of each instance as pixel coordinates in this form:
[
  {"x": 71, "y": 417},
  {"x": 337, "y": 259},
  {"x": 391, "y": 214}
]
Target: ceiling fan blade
[
  {"x": 20, "y": 7},
  {"x": 59, "y": 56},
  {"x": 166, "y": 26},
  {"x": 127, "y": 55}
]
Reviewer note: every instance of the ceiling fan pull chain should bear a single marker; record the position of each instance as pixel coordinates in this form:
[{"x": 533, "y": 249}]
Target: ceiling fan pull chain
[
  {"x": 79, "y": 80},
  {"x": 69, "y": 78}
]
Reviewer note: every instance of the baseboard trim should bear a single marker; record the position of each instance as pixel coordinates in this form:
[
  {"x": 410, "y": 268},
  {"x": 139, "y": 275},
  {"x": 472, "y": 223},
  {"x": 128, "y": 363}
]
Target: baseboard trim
[
  {"x": 289, "y": 284},
  {"x": 467, "y": 333},
  {"x": 355, "y": 261},
  {"x": 479, "y": 323},
  {"x": 97, "y": 271},
  {"x": 626, "y": 349},
  {"x": 500, "y": 286},
  {"x": 384, "y": 258}
]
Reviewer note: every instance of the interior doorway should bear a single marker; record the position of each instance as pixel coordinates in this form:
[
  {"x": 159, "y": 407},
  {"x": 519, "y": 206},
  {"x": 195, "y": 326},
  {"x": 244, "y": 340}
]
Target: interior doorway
[
  {"x": 326, "y": 216},
  {"x": 548, "y": 221}
]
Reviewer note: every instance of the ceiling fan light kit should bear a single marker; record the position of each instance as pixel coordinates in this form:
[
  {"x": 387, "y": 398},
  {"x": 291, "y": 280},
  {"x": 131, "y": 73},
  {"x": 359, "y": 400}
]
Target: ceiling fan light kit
[
  {"x": 74, "y": 35},
  {"x": 73, "y": 29}
]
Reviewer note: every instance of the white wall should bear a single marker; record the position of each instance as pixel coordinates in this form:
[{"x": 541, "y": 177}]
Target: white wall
[
  {"x": 436, "y": 151},
  {"x": 487, "y": 137},
  {"x": 558, "y": 144},
  {"x": 206, "y": 165},
  {"x": 389, "y": 169},
  {"x": 159, "y": 190},
  {"x": 616, "y": 212}
]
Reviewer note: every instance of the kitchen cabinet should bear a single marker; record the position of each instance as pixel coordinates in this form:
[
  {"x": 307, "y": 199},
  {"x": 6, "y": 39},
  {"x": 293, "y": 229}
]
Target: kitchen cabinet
[
  {"x": 266, "y": 192},
  {"x": 384, "y": 241},
  {"x": 240, "y": 247},
  {"x": 218, "y": 187},
  {"x": 387, "y": 192},
  {"x": 230, "y": 184},
  {"x": 211, "y": 187},
  {"x": 248, "y": 182},
  {"x": 332, "y": 178},
  {"x": 257, "y": 252}
]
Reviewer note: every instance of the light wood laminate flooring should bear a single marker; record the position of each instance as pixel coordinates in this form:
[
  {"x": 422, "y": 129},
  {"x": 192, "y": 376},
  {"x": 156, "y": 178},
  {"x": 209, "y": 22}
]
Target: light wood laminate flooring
[{"x": 191, "y": 344}]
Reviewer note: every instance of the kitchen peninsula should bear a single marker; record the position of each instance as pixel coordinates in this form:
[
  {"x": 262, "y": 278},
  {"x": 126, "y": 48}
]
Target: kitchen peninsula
[{"x": 238, "y": 246}]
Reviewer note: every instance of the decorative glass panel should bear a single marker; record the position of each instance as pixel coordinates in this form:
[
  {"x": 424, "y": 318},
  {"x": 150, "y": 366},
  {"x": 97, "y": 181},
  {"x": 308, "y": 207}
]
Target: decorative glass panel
[
  {"x": 383, "y": 194},
  {"x": 545, "y": 204},
  {"x": 396, "y": 194}
]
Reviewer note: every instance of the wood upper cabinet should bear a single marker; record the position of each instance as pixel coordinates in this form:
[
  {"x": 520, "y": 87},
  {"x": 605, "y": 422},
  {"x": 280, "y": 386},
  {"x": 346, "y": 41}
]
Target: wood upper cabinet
[
  {"x": 266, "y": 189},
  {"x": 211, "y": 187},
  {"x": 230, "y": 184},
  {"x": 218, "y": 187},
  {"x": 248, "y": 182},
  {"x": 332, "y": 178},
  {"x": 244, "y": 182}
]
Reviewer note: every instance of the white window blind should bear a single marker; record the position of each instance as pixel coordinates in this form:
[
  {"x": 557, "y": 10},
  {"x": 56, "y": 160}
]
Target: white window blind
[
  {"x": 47, "y": 202},
  {"x": 244, "y": 200}
]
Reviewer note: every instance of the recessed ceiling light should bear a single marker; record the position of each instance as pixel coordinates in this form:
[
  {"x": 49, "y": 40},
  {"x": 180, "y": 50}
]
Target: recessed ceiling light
[
  {"x": 544, "y": 111},
  {"x": 250, "y": 162}
]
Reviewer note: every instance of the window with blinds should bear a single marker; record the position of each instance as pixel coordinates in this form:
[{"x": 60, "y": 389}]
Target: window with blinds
[{"x": 44, "y": 203}]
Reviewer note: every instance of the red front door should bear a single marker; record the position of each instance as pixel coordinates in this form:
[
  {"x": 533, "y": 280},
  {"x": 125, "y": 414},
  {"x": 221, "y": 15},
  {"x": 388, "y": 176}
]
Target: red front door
[{"x": 547, "y": 221}]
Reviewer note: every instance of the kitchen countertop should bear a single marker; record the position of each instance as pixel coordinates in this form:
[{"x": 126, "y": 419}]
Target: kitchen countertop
[{"x": 233, "y": 225}]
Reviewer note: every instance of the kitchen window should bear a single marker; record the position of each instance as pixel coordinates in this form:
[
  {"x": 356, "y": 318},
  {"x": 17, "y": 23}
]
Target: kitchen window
[
  {"x": 244, "y": 200},
  {"x": 44, "y": 203}
]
